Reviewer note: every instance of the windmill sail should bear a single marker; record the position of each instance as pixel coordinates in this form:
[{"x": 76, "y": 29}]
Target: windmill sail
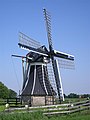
[
  {"x": 63, "y": 55},
  {"x": 51, "y": 76},
  {"x": 66, "y": 64},
  {"x": 25, "y": 40},
  {"x": 48, "y": 28},
  {"x": 31, "y": 45}
]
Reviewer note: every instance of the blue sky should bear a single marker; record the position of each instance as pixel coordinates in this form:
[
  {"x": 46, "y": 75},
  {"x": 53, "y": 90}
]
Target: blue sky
[{"x": 70, "y": 32}]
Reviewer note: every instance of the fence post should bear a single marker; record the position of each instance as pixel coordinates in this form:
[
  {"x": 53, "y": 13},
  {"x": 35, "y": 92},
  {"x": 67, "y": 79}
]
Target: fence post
[{"x": 7, "y": 100}]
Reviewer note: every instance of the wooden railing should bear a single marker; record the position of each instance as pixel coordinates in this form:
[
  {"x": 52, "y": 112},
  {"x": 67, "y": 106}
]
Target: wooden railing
[
  {"x": 71, "y": 108},
  {"x": 11, "y": 101},
  {"x": 55, "y": 109}
]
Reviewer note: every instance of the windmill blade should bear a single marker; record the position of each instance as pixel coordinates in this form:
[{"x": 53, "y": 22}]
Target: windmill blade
[
  {"x": 48, "y": 28},
  {"x": 27, "y": 41},
  {"x": 52, "y": 77},
  {"x": 63, "y": 55},
  {"x": 34, "y": 50},
  {"x": 29, "y": 44},
  {"x": 58, "y": 80},
  {"x": 66, "y": 64}
]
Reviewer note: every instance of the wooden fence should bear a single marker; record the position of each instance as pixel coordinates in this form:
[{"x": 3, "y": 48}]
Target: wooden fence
[
  {"x": 55, "y": 109},
  {"x": 11, "y": 101},
  {"x": 72, "y": 108}
]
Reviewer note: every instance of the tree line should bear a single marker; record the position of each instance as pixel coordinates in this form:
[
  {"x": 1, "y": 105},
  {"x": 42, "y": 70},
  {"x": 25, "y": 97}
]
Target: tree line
[
  {"x": 6, "y": 93},
  {"x": 73, "y": 95}
]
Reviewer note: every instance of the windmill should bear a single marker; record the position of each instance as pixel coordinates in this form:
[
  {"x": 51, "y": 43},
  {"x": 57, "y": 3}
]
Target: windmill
[{"x": 36, "y": 76}]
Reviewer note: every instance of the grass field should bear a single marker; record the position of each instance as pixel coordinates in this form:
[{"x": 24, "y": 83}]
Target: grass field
[{"x": 84, "y": 115}]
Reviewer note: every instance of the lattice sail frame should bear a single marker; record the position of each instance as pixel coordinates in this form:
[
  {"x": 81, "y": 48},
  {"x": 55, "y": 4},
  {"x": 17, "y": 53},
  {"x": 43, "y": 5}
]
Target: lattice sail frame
[
  {"x": 24, "y": 39},
  {"x": 51, "y": 76},
  {"x": 47, "y": 17},
  {"x": 66, "y": 64}
]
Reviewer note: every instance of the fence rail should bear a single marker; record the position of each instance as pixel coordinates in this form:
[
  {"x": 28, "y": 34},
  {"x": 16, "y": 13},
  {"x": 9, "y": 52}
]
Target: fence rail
[
  {"x": 76, "y": 107},
  {"x": 11, "y": 101}
]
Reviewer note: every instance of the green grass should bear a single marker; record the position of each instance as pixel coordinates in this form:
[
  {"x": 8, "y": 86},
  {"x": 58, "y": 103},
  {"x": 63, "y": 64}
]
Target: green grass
[
  {"x": 73, "y": 100},
  {"x": 84, "y": 115},
  {"x": 23, "y": 116},
  {"x": 2, "y": 108}
]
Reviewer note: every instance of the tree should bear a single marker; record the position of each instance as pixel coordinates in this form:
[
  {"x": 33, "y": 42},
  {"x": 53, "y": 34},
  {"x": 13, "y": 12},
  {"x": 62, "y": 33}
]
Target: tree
[
  {"x": 73, "y": 95},
  {"x": 12, "y": 94},
  {"x": 86, "y": 95},
  {"x": 4, "y": 93}
]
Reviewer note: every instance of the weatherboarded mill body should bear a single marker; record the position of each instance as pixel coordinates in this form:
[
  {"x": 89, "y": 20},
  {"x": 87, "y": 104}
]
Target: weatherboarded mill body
[{"x": 37, "y": 89}]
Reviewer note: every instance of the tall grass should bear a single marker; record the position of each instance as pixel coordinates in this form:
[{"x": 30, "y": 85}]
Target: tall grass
[
  {"x": 23, "y": 116},
  {"x": 39, "y": 116}
]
